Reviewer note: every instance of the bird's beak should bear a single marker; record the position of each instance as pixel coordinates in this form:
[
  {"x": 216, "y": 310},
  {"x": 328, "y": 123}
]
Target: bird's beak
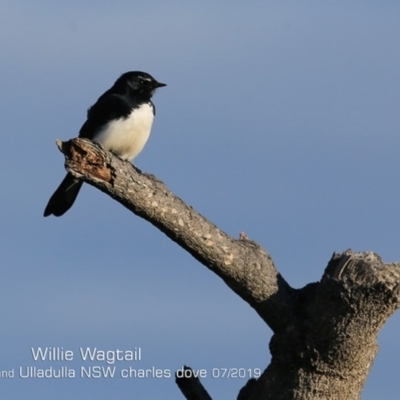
[{"x": 159, "y": 84}]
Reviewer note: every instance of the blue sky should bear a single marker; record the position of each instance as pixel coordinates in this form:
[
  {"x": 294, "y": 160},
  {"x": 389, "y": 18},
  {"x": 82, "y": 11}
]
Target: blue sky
[{"x": 280, "y": 119}]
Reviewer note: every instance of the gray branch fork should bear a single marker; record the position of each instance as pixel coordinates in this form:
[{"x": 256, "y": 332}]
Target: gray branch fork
[{"x": 324, "y": 335}]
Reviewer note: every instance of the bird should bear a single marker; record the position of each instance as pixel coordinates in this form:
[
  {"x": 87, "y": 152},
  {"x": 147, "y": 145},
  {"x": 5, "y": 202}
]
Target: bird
[{"x": 120, "y": 121}]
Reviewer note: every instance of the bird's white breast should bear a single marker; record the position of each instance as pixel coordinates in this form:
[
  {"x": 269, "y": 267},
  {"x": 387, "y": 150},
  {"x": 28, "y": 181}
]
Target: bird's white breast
[{"x": 126, "y": 137}]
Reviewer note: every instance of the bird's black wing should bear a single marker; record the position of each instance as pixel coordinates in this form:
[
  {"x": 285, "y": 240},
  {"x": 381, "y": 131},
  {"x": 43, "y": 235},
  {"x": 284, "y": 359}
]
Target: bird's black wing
[{"x": 108, "y": 107}]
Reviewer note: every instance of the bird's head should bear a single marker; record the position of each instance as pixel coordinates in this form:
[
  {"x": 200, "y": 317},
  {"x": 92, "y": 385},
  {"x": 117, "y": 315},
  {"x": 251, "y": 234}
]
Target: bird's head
[{"x": 139, "y": 83}]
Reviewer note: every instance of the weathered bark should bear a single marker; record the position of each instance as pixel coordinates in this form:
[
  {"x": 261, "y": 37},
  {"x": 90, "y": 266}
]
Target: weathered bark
[{"x": 324, "y": 339}]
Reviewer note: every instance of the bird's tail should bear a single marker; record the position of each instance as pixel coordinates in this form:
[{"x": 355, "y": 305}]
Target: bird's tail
[{"x": 63, "y": 197}]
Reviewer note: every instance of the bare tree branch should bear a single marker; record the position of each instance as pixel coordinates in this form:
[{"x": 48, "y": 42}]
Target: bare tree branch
[
  {"x": 243, "y": 265},
  {"x": 325, "y": 334},
  {"x": 191, "y": 386}
]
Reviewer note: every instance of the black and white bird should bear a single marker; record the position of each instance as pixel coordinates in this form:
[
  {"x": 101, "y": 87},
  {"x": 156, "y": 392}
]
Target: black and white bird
[{"x": 120, "y": 121}]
